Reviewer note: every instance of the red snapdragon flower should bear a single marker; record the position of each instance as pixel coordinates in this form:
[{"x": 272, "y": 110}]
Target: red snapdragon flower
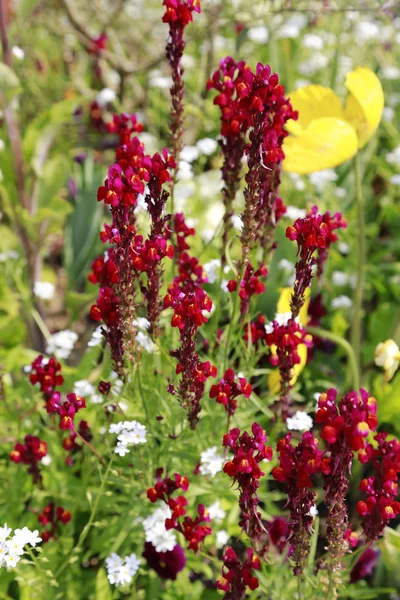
[
  {"x": 297, "y": 465},
  {"x": 227, "y": 390},
  {"x": 52, "y": 516},
  {"x": 30, "y": 453},
  {"x": 71, "y": 446},
  {"x": 249, "y": 451},
  {"x": 381, "y": 488},
  {"x": 238, "y": 575},
  {"x": 250, "y": 285}
]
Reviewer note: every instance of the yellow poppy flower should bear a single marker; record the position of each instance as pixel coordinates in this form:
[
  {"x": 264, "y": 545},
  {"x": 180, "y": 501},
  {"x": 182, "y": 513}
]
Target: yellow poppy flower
[
  {"x": 327, "y": 134},
  {"x": 283, "y": 306}
]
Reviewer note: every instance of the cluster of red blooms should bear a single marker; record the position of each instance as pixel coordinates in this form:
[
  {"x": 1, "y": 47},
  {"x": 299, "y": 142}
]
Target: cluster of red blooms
[
  {"x": 52, "y": 516},
  {"x": 314, "y": 234},
  {"x": 227, "y": 390},
  {"x": 67, "y": 410},
  {"x": 70, "y": 445},
  {"x": 189, "y": 302},
  {"x": 30, "y": 453},
  {"x": 47, "y": 373},
  {"x": 285, "y": 339},
  {"x": 250, "y": 285},
  {"x": 178, "y": 14},
  {"x": 296, "y": 467},
  {"x": 381, "y": 489},
  {"x": 256, "y": 330},
  {"x": 193, "y": 530},
  {"x": 238, "y": 575},
  {"x": 345, "y": 428},
  {"x": 228, "y": 80},
  {"x": 249, "y": 451},
  {"x": 130, "y": 254}
]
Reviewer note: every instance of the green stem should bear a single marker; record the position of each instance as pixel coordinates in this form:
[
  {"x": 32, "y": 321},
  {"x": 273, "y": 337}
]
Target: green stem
[
  {"x": 89, "y": 524},
  {"x": 353, "y": 366},
  {"x": 233, "y": 320},
  {"x": 361, "y": 260},
  {"x": 146, "y": 410}
]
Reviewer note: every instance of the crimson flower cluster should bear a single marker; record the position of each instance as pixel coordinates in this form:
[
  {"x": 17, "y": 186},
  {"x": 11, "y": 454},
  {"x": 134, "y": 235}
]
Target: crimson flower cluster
[
  {"x": 193, "y": 530},
  {"x": 249, "y": 451},
  {"x": 178, "y": 14},
  {"x": 228, "y": 389},
  {"x": 67, "y": 409},
  {"x": 47, "y": 373},
  {"x": 297, "y": 464},
  {"x": 284, "y": 340},
  {"x": 190, "y": 303},
  {"x": 313, "y": 234},
  {"x": 381, "y": 488},
  {"x": 256, "y": 330},
  {"x": 237, "y": 575},
  {"x": 250, "y": 285},
  {"x": 345, "y": 428},
  {"x": 30, "y": 453},
  {"x": 52, "y": 516},
  {"x": 130, "y": 255},
  {"x": 70, "y": 445}
]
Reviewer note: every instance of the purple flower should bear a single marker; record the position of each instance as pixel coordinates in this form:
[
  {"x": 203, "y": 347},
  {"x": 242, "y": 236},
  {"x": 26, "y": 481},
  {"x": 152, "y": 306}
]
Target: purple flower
[
  {"x": 365, "y": 565},
  {"x": 166, "y": 564}
]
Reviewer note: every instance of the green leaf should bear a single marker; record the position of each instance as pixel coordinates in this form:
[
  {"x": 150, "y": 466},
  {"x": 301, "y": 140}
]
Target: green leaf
[
  {"x": 9, "y": 82},
  {"x": 103, "y": 589}
]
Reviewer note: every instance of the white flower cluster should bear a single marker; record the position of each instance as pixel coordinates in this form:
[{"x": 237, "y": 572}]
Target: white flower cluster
[
  {"x": 211, "y": 462},
  {"x": 155, "y": 532},
  {"x": 61, "y": 343},
  {"x": 12, "y": 549},
  {"x": 143, "y": 340},
  {"x": 129, "y": 433},
  {"x": 342, "y": 302},
  {"x": 300, "y": 421},
  {"x": 216, "y": 512},
  {"x": 87, "y": 390},
  {"x": 97, "y": 337},
  {"x": 212, "y": 270},
  {"x": 44, "y": 290},
  {"x": 122, "y": 570}
]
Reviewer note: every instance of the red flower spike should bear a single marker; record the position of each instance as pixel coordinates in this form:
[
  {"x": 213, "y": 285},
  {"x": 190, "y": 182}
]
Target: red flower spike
[
  {"x": 30, "y": 453},
  {"x": 53, "y": 517},
  {"x": 238, "y": 575},
  {"x": 227, "y": 390}
]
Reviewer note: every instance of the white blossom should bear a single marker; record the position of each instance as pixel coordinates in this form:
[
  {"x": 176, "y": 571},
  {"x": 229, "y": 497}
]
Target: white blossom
[
  {"x": 155, "y": 531},
  {"x": 313, "y": 512},
  {"x": 211, "y": 269},
  {"x": 342, "y": 302},
  {"x": 145, "y": 342},
  {"x": 189, "y": 154},
  {"x": 391, "y": 72},
  {"x": 321, "y": 178},
  {"x": 129, "y": 433},
  {"x": 216, "y": 512},
  {"x": 207, "y": 146},
  {"x": 258, "y": 35},
  {"x": 121, "y": 570},
  {"x": 395, "y": 179},
  {"x": 13, "y": 548},
  {"x": 293, "y": 213},
  {"x": 61, "y": 343},
  {"x": 285, "y": 265},
  {"x": 300, "y": 421},
  {"x": 211, "y": 462},
  {"x": 105, "y": 96},
  {"x": 387, "y": 355},
  {"x": 313, "y": 41},
  {"x": 44, "y": 290},
  {"x": 222, "y": 538},
  {"x": 97, "y": 337},
  {"x": 393, "y": 157},
  {"x": 142, "y": 323},
  {"x": 18, "y": 53}
]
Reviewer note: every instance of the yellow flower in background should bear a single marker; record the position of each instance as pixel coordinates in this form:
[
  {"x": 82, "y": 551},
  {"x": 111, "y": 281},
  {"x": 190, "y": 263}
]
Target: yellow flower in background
[
  {"x": 387, "y": 355},
  {"x": 327, "y": 134},
  {"x": 283, "y": 307}
]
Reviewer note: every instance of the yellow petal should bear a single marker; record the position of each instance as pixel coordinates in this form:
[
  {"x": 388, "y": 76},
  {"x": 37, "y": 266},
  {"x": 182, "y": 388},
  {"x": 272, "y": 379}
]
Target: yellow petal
[
  {"x": 274, "y": 376},
  {"x": 313, "y": 102},
  {"x": 283, "y": 305},
  {"x": 365, "y": 103},
  {"x": 324, "y": 144}
]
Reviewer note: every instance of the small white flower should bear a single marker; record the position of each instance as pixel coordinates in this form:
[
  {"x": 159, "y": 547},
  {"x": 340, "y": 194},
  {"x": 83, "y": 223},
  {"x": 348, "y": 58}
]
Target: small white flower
[
  {"x": 293, "y": 213},
  {"x": 122, "y": 575},
  {"x": 145, "y": 342},
  {"x": 84, "y": 388},
  {"x": 97, "y": 337},
  {"x": 391, "y": 72},
  {"x": 367, "y": 30},
  {"x": 189, "y": 154},
  {"x": 395, "y": 179},
  {"x": 342, "y": 302},
  {"x": 23, "y": 535},
  {"x": 321, "y": 178},
  {"x": 159, "y": 81},
  {"x": 211, "y": 462},
  {"x": 300, "y": 421},
  {"x": 46, "y": 460},
  {"x": 298, "y": 181},
  {"x": 142, "y": 323},
  {"x": 162, "y": 539},
  {"x": 216, "y": 512},
  {"x": 133, "y": 563},
  {"x": 4, "y": 532},
  {"x": 44, "y": 290},
  {"x": 388, "y": 113},
  {"x": 344, "y": 248},
  {"x": 207, "y": 146},
  {"x": 12, "y": 560},
  {"x": 18, "y": 53},
  {"x": 393, "y": 157},
  {"x": 315, "y": 63},
  {"x": 285, "y": 265},
  {"x": 237, "y": 222},
  {"x": 3, "y": 552},
  {"x": 258, "y": 35},
  {"x": 34, "y": 538},
  {"x": 313, "y": 41},
  {"x": 212, "y": 268},
  {"x": 61, "y": 343},
  {"x": 113, "y": 562},
  {"x": 106, "y": 96},
  {"x": 340, "y": 192},
  {"x": 15, "y": 546},
  {"x": 121, "y": 449},
  {"x": 185, "y": 171},
  {"x": 222, "y": 538}
]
